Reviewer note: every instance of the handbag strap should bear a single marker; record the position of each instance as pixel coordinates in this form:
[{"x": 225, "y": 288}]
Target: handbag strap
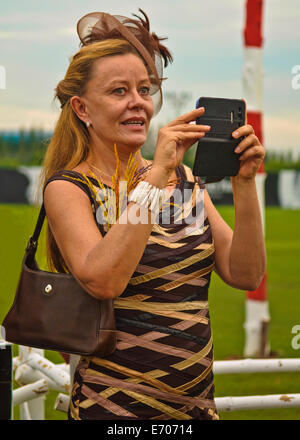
[
  {"x": 33, "y": 240},
  {"x": 61, "y": 175}
]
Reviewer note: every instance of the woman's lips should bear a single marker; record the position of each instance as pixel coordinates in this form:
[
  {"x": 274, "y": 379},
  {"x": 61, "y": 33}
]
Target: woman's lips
[
  {"x": 134, "y": 124},
  {"x": 134, "y": 121}
]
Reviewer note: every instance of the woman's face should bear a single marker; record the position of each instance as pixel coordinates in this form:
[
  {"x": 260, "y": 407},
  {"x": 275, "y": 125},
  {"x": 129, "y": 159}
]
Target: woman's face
[{"x": 118, "y": 103}]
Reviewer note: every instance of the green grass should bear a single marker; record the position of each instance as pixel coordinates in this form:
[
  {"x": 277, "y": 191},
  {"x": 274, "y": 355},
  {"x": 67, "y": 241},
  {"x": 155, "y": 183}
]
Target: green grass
[{"x": 227, "y": 305}]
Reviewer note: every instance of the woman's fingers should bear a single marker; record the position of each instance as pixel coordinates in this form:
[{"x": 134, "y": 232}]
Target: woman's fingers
[
  {"x": 254, "y": 151},
  {"x": 245, "y": 130},
  {"x": 249, "y": 147},
  {"x": 182, "y": 133},
  {"x": 188, "y": 117},
  {"x": 248, "y": 141},
  {"x": 181, "y": 137},
  {"x": 190, "y": 127},
  {"x": 177, "y": 137}
]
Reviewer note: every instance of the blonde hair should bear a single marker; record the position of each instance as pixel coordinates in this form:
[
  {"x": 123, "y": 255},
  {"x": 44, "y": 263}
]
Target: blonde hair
[{"x": 69, "y": 145}]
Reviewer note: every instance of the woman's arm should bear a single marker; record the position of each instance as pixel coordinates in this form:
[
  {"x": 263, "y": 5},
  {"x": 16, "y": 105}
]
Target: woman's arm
[
  {"x": 102, "y": 265},
  {"x": 241, "y": 254}
]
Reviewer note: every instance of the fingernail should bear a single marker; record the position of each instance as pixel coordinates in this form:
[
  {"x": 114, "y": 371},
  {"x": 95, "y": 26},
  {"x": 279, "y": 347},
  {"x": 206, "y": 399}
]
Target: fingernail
[
  {"x": 237, "y": 150},
  {"x": 235, "y": 133},
  {"x": 200, "y": 108}
]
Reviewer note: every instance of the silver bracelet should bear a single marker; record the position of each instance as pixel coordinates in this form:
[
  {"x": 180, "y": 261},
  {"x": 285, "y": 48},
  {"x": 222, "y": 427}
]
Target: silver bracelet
[{"x": 147, "y": 195}]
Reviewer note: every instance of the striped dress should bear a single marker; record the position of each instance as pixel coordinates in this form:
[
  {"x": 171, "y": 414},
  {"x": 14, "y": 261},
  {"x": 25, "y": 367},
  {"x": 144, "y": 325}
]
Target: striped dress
[{"x": 162, "y": 367}]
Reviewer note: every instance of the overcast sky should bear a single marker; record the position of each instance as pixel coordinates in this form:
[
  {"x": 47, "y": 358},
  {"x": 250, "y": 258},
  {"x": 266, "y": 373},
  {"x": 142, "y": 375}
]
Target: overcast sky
[{"x": 37, "y": 38}]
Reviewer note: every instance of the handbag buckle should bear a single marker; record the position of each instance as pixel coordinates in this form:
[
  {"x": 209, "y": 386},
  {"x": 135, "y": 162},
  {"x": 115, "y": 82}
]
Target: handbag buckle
[{"x": 48, "y": 288}]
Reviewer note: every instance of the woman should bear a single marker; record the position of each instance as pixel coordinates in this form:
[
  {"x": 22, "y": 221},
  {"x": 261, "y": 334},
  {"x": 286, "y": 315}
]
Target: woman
[{"x": 158, "y": 273}]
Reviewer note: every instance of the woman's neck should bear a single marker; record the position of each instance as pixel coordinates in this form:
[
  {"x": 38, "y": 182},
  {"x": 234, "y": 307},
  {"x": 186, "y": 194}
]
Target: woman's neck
[{"x": 105, "y": 159}]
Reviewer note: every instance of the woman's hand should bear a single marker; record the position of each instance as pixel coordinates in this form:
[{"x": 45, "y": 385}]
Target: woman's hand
[
  {"x": 175, "y": 139},
  {"x": 253, "y": 152}
]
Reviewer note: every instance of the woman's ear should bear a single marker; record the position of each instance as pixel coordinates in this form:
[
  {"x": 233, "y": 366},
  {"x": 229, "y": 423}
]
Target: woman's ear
[{"x": 79, "y": 107}]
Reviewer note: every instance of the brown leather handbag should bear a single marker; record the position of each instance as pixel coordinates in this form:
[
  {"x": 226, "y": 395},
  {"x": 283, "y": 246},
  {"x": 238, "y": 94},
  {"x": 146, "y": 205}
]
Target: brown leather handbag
[{"x": 53, "y": 312}]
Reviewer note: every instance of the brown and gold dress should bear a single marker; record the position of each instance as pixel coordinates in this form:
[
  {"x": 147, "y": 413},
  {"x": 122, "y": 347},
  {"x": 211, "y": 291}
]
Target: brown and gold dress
[{"x": 162, "y": 367}]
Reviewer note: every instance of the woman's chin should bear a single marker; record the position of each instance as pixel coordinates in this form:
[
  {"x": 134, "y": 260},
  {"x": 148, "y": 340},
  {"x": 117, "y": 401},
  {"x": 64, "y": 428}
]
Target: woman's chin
[{"x": 134, "y": 142}]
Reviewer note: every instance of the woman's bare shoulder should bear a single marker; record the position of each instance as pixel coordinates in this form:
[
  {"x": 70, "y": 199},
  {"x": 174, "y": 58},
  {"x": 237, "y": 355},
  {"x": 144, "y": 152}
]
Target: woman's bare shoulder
[
  {"x": 67, "y": 195},
  {"x": 71, "y": 219},
  {"x": 65, "y": 186}
]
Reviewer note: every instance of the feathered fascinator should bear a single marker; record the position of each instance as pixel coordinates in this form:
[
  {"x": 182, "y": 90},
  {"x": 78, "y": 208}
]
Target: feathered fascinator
[{"x": 99, "y": 26}]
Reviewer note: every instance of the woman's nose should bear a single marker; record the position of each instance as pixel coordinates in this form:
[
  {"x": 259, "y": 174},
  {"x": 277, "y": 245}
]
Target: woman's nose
[{"x": 136, "y": 100}]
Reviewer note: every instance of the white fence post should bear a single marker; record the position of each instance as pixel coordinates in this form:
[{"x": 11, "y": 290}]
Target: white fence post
[{"x": 35, "y": 409}]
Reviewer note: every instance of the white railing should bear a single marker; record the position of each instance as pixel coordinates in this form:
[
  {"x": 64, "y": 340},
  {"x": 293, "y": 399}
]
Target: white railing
[
  {"x": 37, "y": 375},
  {"x": 257, "y": 366},
  {"x": 258, "y": 402}
]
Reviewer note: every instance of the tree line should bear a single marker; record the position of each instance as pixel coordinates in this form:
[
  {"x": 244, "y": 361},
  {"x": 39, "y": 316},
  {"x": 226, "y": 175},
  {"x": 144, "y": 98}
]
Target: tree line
[
  {"x": 28, "y": 148},
  {"x": 23, "y": 147}
]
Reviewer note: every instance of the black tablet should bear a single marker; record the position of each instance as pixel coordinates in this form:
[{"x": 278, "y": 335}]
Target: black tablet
[{"x": 215, "y": 157}]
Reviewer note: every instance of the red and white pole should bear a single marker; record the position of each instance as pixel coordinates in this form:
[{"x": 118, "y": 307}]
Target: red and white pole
[{"x": 257, "y": 308}]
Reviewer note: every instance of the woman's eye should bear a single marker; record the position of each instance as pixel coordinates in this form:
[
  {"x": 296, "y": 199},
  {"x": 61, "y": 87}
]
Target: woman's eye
[
  {"x": 120, "y": 91},
  {"x": 145, "y": 90}
]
